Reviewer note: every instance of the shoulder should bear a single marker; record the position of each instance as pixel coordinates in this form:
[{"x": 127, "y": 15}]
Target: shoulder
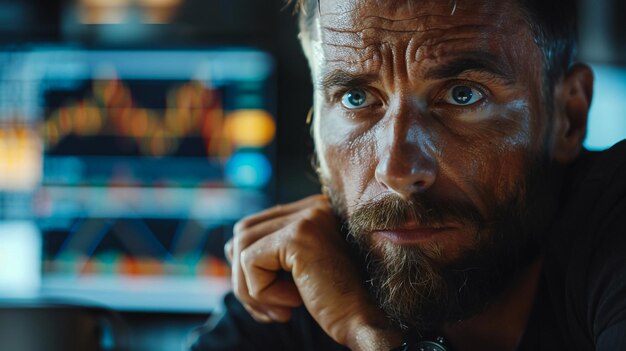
[
  {"x": 586, "y": 252},
  {"x": 235, "y": 330},
  {"x": 593, "y": 196}
]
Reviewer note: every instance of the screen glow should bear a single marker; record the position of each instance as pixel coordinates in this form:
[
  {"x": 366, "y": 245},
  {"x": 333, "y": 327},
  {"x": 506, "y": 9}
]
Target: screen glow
[
  {"x": 20, "y": 259},
  {"x": 607, "y": 118}
]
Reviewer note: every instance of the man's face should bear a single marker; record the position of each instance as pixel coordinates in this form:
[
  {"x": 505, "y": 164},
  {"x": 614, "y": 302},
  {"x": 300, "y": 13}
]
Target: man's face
[{"x": 429, "y": 127}]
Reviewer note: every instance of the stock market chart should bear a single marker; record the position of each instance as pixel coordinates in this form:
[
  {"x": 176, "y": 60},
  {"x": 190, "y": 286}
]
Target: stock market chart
[{"x": 134, "y": 165}]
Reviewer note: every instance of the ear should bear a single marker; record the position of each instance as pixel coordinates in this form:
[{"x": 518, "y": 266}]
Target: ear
[{"x": 572, "y": 102}]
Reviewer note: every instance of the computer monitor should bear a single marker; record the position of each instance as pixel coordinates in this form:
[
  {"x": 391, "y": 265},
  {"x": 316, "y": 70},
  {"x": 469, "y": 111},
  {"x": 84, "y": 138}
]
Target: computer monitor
[{"x": 138, "y": 162}]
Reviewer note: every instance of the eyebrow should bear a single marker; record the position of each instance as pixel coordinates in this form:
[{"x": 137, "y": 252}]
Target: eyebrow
[
  {"x": 470, "y": 61},
  {"x": 475, "y": 62},
  {"x": 340, "y": 78}
]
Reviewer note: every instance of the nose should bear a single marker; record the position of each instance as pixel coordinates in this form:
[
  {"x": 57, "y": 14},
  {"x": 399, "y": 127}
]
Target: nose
[{"x": 406, "y": 165}]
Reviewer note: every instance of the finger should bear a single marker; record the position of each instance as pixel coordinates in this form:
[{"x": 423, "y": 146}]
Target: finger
[
  {"x": 267, "y": 314},
  {"x": 253, "y": 229},
  {"x": 243, "y": 240},
  {"x": 279, "y": 211},
  {"x": 257, "y": 314},
  {"x": 279, "y": 314},
  {"x": 240, "y": 288},
  {"x": 259, "y": 276},
  {"x": 275, "y": 302},
  {"x": 260, "y": 264},
  {"x": 246, "y": 237},
  {"x": 280, "y": 293}
]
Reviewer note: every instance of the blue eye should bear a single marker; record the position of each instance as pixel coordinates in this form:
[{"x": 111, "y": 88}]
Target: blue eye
[
  {"x": 356, "y": 98},
  {"x": 463, "y": 95}
]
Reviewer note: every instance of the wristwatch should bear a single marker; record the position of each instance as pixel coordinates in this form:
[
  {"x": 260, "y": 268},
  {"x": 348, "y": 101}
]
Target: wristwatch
[{"x": 438, "y": 344}]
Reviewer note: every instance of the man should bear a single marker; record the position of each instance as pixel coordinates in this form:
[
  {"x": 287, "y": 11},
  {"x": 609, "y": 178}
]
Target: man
[{"x": 459, "y": 209}]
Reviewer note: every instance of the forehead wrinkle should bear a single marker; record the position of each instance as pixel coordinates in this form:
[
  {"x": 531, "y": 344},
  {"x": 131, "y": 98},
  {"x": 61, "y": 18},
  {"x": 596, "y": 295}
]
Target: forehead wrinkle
[
  {"x": 349, "y": 46},
  {"x": 340, "y": 37},
  {"x": 418, "y": 24},
  {"x": 362, "y": 32},
  {"x": 355, "y": 16},
  {"x": 354, "y": 65},
  {"x": 350, "y": 42},
  {"x": 439, "y": 47},
  {"x": 413, "y": 49},
  {"x": 357, "y": 65},
  {"x": 366, "y": 37}
]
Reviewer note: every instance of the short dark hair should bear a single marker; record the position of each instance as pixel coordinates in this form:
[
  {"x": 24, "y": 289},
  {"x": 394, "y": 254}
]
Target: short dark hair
[{"x": 553, "y": 24}]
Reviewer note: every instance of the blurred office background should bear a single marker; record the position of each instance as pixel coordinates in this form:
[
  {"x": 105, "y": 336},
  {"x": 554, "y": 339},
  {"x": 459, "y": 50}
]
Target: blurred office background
[{"x": 133, "y": 133}]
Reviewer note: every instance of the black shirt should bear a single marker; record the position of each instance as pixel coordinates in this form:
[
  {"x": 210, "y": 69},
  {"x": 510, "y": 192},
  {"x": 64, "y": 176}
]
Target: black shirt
[
  {"x": 581, "y": 304},
  {"x": 581, "y": 299}
]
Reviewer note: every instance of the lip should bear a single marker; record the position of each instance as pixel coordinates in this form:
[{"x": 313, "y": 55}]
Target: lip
[{"x": 416, "y": 235}]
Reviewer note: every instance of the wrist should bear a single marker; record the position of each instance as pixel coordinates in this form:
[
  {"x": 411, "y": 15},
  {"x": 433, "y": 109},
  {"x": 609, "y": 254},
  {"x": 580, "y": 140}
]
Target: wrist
[
  {"x": 377, "y": 335},
  {"x": 436, "y": 344}
]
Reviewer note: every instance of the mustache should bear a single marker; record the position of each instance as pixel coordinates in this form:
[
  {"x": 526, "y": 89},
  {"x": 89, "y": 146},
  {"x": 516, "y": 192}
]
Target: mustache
[{"x": 391, "y": 211}]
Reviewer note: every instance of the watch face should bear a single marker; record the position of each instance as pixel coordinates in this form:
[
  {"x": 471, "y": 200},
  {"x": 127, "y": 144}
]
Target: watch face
[{"x": 430, "y": 346}]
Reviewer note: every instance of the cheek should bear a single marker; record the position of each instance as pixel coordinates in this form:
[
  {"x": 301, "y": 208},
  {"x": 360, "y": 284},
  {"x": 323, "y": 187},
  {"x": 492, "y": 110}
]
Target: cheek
[
  {"x": 347, "y": 155},
  {"x": 493, "y": 159},
  {"x": 504, "y": 174}
]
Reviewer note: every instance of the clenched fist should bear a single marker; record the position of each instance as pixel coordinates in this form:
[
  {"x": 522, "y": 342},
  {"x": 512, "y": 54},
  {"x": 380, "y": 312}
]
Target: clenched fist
[{"x": 303, "y": 238}]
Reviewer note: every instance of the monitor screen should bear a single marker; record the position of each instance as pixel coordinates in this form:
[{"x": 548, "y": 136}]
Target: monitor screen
[{"x": 135, "y": 165}]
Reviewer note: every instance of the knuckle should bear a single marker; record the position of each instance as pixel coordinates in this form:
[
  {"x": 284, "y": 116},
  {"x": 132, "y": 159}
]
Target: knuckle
[
  {"x": 246, "y": 258},
  {"x": 304, "y": 234},
  {"x": 303, "y": 227},
  {"x": 254, "y": 294},
  {"x": 240, "y": 242},
  {"x": 243, "y": 225},
  {"x": 315, "y": 213}
]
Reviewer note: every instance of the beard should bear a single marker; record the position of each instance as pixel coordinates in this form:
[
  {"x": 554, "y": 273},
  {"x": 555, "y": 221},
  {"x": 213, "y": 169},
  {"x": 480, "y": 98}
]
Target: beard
[{"x": 416, "y": 286}]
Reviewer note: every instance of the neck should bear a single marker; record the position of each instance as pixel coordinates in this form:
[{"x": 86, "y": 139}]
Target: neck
[{"x": 502, "y": 325}]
